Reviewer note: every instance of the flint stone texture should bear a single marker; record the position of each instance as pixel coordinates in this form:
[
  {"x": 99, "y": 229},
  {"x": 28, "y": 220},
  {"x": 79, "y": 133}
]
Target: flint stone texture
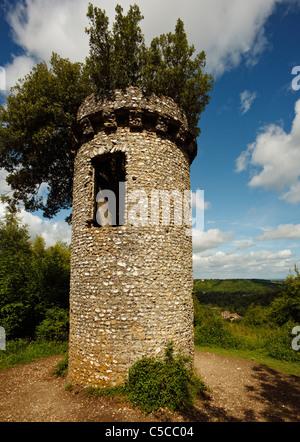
[{"x": 131, "y": 286}]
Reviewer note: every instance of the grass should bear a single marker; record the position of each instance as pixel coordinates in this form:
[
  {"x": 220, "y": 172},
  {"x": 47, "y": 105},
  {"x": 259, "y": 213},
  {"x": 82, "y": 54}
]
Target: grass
[
  {"x": 22, "y": 351},
  {"x": 61, "y": 369},
  {"x": 288, "y": 368}
]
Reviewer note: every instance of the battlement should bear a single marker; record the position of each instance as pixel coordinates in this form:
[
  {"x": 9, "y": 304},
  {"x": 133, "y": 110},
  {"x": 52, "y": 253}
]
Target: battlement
[{"x": 137, "y": 110}]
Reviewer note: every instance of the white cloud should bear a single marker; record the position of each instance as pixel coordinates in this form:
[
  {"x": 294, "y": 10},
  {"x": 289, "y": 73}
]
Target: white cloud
[
  {"x": 247, "y": 99},
  {"x": 210, "y": 239},
  {"x": 4, "y": 187},
  {"x": 276, "y": 157},
  {"x": 263, "y": 263},
  {"x": 242, "y": 161},
  {"x": 52, "y": 231},
  {"x": 293, "y": 195},
  {"x": 283, "y": 231},
  {"x": 245, "y": 244},
  {"x": 43, "y": 26},
  {"x": 227, "y": 31},
  {"x": 17, "y": 69}
]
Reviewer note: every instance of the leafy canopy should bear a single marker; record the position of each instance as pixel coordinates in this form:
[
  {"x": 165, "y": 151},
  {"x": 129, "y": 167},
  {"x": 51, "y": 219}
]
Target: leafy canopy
[
  {"x": 287, "y": 307},
  {"x": 33, "y": 279},
  {"x": 35, "y": 125},
  {"x": 120, "y": 58},
  {"x": 35, "y": 134}
]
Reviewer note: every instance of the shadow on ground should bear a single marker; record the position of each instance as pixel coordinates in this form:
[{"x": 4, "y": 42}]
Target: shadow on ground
[
  {"x": 278, "y": 397},
  {"x": 279, "y": 393}
]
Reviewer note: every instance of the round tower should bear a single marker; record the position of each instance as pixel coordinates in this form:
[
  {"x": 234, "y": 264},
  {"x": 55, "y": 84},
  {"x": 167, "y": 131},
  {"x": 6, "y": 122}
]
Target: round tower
[{"x": 131, "y": 259}]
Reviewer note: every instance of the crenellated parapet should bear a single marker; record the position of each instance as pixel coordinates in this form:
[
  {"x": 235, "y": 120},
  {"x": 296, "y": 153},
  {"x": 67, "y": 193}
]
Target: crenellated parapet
[{"x": 137, "y": 110}]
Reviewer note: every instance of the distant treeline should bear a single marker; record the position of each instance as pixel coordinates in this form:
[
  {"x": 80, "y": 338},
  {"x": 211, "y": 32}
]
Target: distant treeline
[{"x": 236, "y": 295}]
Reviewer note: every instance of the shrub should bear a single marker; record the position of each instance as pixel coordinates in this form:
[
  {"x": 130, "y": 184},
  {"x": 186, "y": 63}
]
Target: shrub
[
  {"x": 153, "y": 384},
  {"x": 279, "y": 345},
  {"x": 213, "y": 330},
  {"x": 55, "y": 326}
]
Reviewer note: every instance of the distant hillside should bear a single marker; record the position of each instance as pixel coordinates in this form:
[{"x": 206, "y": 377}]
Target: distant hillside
[
  {"x": 236, "y": 294},
  {"x": 236, "y": 285}
]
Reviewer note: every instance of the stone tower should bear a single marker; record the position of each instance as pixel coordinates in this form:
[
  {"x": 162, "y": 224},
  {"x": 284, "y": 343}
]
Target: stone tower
[{"x": 131, "y": 260}]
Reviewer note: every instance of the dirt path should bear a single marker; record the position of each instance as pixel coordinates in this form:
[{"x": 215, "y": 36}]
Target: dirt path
[{"x": 240, "y": 390}]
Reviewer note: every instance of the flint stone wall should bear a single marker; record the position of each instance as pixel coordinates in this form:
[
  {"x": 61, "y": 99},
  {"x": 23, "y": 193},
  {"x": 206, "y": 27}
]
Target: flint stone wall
[{"x": 131, "y": 286}]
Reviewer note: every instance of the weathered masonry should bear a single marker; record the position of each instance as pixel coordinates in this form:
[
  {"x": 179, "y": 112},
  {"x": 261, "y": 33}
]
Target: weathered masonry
[{"x": 131, "y": 285}]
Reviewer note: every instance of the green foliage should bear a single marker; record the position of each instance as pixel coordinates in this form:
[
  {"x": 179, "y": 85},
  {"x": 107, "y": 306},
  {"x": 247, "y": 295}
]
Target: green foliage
[
  {"x": 55, "y": 325},
  {"x": 116, "y": 56},
  {"x": 33, "y": 280},
  {"x": 154, "y": 384},
  {"x": 212, "y": 330},
  {"x": 120, "y": 58},
  {"x": 17, "y": 289},
  {"x": 287, "y": 307},
  {"x": 35, "y": 135},
  {"x": 236, "y": 295},
  {"x": 278, "y": 345},
  {"x": 61, "y": 368},
  {"x": 256, "y": 315},
  {"x": 171, "y": 69},
  {"x": 245, "y": 286},
  {"x": 264, "y": 330},
  {"x": 53, "y": 266},
  {"x": 22, "y": 351}
]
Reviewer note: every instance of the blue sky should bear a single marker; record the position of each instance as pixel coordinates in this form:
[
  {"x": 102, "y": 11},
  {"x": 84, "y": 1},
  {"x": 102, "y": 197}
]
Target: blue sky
[{"x": 248, "y": 161}]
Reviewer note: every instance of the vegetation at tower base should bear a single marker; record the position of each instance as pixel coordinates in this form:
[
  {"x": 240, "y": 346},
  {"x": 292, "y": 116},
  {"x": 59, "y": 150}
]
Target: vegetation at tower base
[
  {"x": 35, "y": 134},
  {"x": 158, "y": 383}
]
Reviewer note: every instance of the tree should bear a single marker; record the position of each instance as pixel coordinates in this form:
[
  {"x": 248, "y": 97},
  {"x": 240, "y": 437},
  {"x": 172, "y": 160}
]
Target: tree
[
  {"x": 33, "y": 278},
  {"x": 98, "y": 64},
  {"x": 170, "y": 70},
  {"x": 256, "y": 315},
  {"x": 16, "y": 294},
  {"x": 51, "y": 272},
  {"x": 35, "y": 133},
  {"x": 287, "y": 307},
  {"x": 56, "y": 276}
]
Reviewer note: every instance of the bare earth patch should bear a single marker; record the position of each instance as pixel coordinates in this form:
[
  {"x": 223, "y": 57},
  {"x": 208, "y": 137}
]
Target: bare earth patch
[{"x": 239, "y": 390}]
